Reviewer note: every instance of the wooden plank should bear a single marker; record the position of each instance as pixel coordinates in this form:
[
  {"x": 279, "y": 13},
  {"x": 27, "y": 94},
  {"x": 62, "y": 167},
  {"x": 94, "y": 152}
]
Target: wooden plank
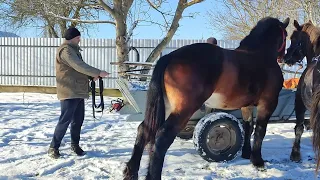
[
  {"x": 139, "y": 75},
  {"x": 291, "y": 72},
  {"x": 51, "y": 90},
  {"x": 133, "y": 63}
]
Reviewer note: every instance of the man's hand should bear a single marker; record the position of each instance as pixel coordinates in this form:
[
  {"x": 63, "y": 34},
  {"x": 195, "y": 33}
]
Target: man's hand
[
  {"x": 96, "y": 78},
  {"x": 102, "y": 74}
]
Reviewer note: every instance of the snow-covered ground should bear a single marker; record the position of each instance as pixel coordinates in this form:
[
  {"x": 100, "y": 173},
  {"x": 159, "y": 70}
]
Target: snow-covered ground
[{"x": 27, "y": 121}]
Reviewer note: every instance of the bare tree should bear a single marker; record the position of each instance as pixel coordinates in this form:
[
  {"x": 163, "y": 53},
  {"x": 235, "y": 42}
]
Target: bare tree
[
  {"x": 182, "y": 5},
  {"x": 19, "y": 14},
  {"x": 310, "y": 10},
  {"x": 237, "y": 17},
  {"x": 126, "y": 17}
]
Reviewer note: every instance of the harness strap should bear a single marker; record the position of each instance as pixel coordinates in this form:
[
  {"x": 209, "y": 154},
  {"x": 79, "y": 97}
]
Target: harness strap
[
  {"x": 93, "y": 93},
  {"x": 316, "y": 58},
  {"x": 283, "y": 41}
]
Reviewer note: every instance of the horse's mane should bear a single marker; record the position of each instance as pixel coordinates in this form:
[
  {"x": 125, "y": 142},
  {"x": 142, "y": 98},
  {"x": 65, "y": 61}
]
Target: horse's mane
[
  {"x": 256, "y": 36},
  {"x": 312, "y": 31}
]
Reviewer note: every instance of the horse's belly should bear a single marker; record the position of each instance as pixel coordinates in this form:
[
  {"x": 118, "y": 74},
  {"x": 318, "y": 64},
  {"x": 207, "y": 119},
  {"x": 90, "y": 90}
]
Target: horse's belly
[{"x": 217, "y": 101}]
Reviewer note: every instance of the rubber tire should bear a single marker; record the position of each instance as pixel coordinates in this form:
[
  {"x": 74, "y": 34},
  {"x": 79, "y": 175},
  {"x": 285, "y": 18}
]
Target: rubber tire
[
  {"x": 201, "y": 146},
  {"x": 187, "y": 132}
]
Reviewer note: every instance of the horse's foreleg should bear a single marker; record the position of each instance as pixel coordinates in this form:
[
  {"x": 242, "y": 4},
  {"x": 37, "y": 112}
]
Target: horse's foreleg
[
  {"x": 164, "y": 138},
  {"x": 132, "y": 167},
  {"x": 265, "y": 109},
  {"x": 300, "y": 109},
  {"x": 247, "y": 116}
]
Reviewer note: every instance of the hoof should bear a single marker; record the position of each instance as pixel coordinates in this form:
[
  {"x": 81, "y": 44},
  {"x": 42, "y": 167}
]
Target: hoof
[
  {"x": 131, "y": 177},
  {"x": 261, "y": 169},
  {"x": 295, "y": 157},
  {"x": 257, "y": 162},
  {"x": 127, "y": 175}
]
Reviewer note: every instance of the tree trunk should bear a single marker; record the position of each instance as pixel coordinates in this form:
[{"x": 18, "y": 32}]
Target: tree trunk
[
  {"x": 173, "y": 28},
  {"x": 52, "y": 32},
  {"x": 121, "y": 43},
  {"x": 157, "y": 51}
]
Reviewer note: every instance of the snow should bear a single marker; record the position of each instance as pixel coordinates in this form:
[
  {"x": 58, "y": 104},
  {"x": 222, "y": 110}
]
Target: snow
[
  {"x": 138, "y": 85},
  {"x": 28, "y": 120}
]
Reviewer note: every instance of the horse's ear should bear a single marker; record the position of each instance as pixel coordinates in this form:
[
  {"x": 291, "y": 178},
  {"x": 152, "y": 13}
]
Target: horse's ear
[
  {"x": 296, "y": 24},
  {"x": 286, "y": 22}
]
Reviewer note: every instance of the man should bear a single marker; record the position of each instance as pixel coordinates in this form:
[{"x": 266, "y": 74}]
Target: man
[
  {"x": 72, "y": 77},
  {"x": 212, "y": 40}
]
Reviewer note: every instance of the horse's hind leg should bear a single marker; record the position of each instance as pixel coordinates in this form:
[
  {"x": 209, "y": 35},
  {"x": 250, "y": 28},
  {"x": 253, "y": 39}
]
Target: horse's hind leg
[
  {"x": 265, "y": 109},
  {"x": 300, "y": 109},
  {"x": 247, "y": 116},
  {"x": 164, "y": 138},
  {"x": 132, "y": 167}
]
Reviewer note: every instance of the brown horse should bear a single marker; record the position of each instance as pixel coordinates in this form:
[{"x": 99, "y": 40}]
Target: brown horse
[
  {"x": 185, "y": 79},
  {"x": 305, "y": 42}
]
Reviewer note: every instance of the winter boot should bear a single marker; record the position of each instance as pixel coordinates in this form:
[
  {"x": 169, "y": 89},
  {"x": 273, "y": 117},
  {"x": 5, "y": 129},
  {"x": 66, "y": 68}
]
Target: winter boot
[
  {"x": 54, "y": 153},
  {"x": 77, "y": 149}
]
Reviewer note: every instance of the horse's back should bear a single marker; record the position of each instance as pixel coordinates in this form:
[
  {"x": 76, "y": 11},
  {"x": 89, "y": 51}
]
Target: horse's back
[{"x": 229, "y": 78}]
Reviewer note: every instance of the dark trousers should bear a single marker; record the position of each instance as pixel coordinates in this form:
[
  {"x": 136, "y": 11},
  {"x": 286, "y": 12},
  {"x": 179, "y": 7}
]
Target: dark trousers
[{"x": 72, "y": 112}]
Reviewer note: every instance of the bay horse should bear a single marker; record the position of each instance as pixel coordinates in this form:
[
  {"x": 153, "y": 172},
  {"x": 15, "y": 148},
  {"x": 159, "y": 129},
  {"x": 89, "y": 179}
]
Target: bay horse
[
  {"x": 305, "y": 42},
  {"x": 196, "y": 74}
]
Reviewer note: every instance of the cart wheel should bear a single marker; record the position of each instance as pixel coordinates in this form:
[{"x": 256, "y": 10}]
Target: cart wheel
[{"x": 218, "y": 137}]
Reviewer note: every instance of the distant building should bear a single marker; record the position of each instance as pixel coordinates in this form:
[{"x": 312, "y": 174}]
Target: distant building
[{"x": 7, "y": 34}]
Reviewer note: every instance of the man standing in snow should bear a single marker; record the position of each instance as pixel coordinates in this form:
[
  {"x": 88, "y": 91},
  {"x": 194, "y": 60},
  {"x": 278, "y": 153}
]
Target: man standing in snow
[{"x": 72, "y": 88}]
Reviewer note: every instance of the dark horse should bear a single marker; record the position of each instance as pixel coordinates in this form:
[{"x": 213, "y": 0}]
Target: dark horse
[
  {"x": 197, "y": 74},
  {"x": 305, "y": 42}
]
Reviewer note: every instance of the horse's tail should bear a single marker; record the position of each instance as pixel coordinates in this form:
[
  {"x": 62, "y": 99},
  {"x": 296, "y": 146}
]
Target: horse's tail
[
  {"x": 155, "y": 107},
  {"x": 315, "y": 124}
]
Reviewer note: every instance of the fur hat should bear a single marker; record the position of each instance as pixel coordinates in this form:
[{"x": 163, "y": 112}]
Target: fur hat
[{"x": 71, "y": 33}]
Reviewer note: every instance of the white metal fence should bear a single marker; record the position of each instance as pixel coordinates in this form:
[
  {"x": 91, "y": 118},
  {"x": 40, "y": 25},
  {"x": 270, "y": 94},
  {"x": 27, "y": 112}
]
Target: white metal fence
[{"x": 31, "y": 61}]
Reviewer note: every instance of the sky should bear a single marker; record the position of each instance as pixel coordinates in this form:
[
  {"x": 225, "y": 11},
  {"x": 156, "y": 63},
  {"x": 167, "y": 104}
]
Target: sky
[{"x": 196, "y": 28}]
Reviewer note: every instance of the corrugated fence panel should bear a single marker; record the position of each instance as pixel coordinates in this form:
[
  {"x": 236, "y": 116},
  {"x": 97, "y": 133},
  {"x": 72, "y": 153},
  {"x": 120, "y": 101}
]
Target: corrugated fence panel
[{"x": 31, "y": 61}]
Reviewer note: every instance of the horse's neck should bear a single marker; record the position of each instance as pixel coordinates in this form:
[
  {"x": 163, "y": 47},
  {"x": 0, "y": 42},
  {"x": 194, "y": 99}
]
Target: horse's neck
[
  {"x": 264, "y": 56},
  {"x": 263, "y": 49},
  {"x": 312, "y": 54},
  {"x": 313, "y": 34},
  {"x": 254, "y": 58}
]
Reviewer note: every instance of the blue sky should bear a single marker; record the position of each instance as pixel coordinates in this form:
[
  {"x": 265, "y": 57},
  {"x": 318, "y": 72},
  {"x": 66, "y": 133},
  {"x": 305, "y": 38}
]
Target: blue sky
[{"x": 197, "y": 28}]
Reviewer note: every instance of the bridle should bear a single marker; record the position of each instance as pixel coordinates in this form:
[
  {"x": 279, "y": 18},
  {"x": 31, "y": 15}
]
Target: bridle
[
  {"x": 297, "y": 47},
  {"x": 283, "y": 41}
]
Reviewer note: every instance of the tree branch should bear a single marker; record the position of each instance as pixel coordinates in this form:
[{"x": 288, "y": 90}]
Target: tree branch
[
  {"x": 107, "y": 8},
  {"x": 126, "y": 6},
  {"x": 130, "y": 32},
  {"x": 192, "y": 3},
  {"x": 81, "y": 21},
  {"x": 155, "y": 6}
]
